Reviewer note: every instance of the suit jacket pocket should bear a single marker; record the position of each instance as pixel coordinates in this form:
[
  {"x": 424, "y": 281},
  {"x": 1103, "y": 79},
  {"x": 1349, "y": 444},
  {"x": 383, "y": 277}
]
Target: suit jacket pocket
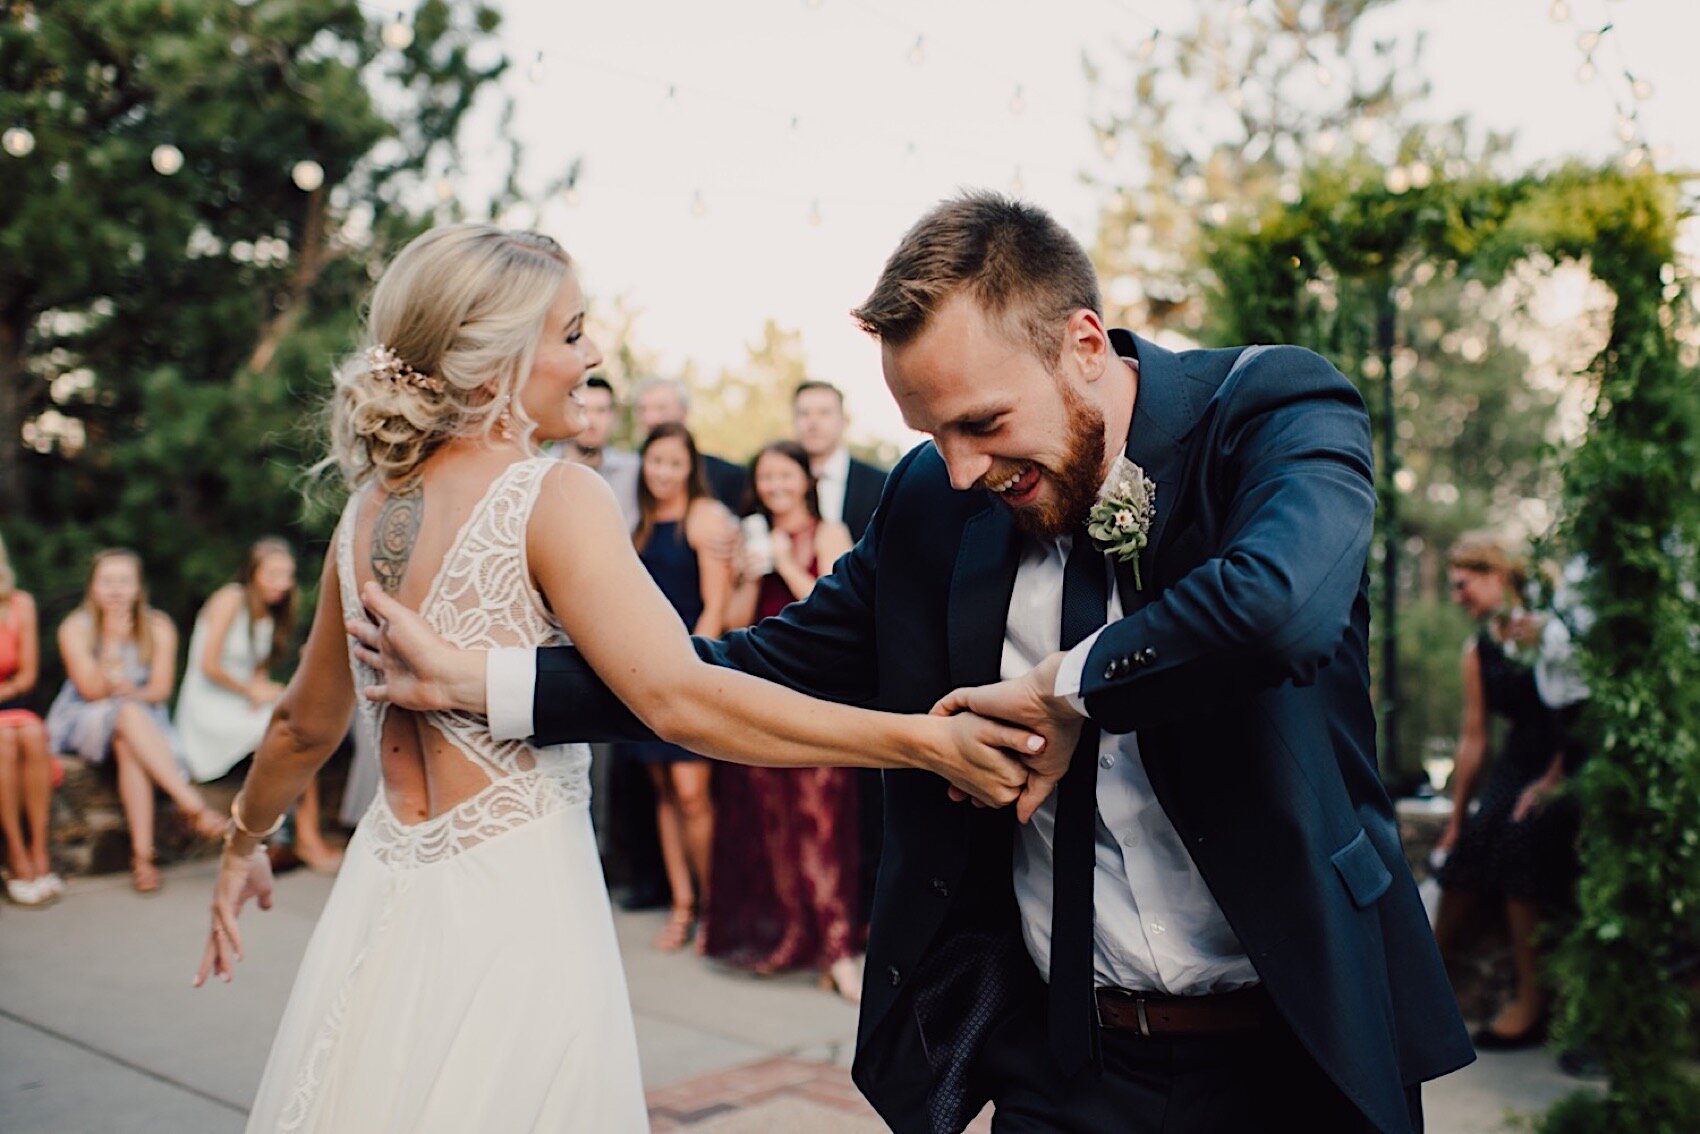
[{"x": 1361, "y": 869}]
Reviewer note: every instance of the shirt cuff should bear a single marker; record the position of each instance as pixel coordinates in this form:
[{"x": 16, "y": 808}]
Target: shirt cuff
[
  {"x": 510, "y": 677},
  {"x": 1072, "y": 670}
]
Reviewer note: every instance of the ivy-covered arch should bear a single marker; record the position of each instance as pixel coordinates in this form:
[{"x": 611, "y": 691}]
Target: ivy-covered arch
[{"x": 1323, "y": 271}]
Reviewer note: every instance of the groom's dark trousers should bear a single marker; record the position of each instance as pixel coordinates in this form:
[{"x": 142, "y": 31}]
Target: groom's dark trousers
[{"x": 1242, "y": 665}]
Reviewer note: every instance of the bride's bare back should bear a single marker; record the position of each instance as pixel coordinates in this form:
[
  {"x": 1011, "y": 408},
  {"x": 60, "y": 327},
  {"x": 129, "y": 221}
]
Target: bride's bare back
[{"x": 454, "y": 549}]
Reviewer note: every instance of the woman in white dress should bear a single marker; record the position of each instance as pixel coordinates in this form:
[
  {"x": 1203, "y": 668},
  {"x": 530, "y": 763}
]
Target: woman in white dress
[
  {"x": 242, "y": 633},
  {"x": 464, "y": 975}
]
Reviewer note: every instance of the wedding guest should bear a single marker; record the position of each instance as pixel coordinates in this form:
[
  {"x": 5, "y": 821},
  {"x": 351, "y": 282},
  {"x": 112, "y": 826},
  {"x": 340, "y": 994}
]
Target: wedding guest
[
  {"x": 26, "y": 770},
  {"x": 119, "y": 656},
  {"x": 664, "y": 401},
  {"x": 1516, "y": 849},
  {"x": 849, "y": 492},
  {"x": 677, "y": 520},
  {"x": 785, "y": 852},
  {"x": 617, "y": 466},
  {"x": 242, "y": 634},
  {"x": 849, "y": 488}
]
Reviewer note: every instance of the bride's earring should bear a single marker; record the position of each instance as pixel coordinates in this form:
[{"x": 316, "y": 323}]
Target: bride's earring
[{"x": 505, "y": 423}]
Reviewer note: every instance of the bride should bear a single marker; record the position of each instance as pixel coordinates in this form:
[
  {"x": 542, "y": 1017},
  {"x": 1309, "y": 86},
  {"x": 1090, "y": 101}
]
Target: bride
[{"x": 464, "y": 973}]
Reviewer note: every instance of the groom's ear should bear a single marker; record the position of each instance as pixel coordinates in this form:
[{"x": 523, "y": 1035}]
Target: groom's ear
[{"x": 1086, "y": 344}]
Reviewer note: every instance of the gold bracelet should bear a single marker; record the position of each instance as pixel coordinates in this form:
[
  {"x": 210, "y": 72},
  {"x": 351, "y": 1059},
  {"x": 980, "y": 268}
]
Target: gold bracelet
[{"x": 242, "y": 828}]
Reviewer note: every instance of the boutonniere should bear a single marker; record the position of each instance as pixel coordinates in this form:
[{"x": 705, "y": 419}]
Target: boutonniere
[{"x": 1120, "y": 522}]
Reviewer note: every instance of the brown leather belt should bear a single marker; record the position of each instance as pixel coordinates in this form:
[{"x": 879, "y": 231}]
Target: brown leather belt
[{"x": 1222, "y": 1013}]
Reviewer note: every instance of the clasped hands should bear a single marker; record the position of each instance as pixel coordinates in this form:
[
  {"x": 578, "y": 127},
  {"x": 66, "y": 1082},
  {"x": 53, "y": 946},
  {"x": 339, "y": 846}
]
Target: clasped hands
[{"x": 418, "y": 670}]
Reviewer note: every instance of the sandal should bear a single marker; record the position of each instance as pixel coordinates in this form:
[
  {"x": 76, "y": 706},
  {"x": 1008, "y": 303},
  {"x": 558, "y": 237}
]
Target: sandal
[
  {"x": 144, "y": 874},
  {"x": 788, "y": 954},
  {"x": 677, "y": 931},
  {"x": 844, "y": 976},
  {"x": 204, "y": 821}
]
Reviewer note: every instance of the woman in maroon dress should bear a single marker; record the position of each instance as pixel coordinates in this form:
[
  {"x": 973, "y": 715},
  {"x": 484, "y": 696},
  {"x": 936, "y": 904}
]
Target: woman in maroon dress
[{"x": 785, "y": 854}]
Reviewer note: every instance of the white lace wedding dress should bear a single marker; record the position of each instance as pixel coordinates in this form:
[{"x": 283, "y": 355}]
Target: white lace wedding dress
[{"x": 464, "y": 976}]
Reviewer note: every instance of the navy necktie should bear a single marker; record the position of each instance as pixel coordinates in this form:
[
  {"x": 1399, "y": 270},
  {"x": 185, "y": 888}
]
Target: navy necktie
[{"x": 1073, "y": 1013}]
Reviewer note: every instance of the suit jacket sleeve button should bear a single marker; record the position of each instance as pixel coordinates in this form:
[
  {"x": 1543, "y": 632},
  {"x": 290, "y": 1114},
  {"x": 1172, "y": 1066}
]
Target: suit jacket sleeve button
[
  {"x": 895, "y": 975},
  {"x": 1147, "y": 655},
  {"x": 1110, "y": 672}
]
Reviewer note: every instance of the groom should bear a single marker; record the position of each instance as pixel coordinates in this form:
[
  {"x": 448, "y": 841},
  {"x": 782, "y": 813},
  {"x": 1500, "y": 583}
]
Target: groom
[{"x": 1209, "y": 924}]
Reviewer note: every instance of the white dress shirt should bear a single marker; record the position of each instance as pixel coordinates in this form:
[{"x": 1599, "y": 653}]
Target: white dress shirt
[
  {"x": 1156, "y": 926},
  {"x": 832, "y": 478}
]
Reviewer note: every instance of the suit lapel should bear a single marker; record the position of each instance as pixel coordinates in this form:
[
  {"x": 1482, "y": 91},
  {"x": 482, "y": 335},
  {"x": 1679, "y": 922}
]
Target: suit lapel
[
  {"x": 1164, "y": 413},
  {"x": 980, "y": 589}
]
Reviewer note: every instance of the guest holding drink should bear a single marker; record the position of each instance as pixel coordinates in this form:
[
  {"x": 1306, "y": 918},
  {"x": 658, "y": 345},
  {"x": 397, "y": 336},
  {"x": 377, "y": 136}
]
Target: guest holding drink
[
  {"x": 679, "y": 522},
  {"x": 786, "y": 849},
  {"x": 120, "y": 657},
  {"x": 26, "y": 771}
]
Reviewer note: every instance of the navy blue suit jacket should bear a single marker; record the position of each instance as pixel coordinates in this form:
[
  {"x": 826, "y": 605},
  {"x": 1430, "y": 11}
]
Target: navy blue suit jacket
[{"x": 1242, "y": 663}]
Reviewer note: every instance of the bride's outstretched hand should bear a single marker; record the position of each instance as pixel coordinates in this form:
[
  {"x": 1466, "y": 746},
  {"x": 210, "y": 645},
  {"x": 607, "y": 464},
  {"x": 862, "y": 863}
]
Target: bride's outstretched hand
[
  {"x": 240, "y": 877},
  {"x": 1028, "y": 702},
  {"x": 417, "y": 668}
]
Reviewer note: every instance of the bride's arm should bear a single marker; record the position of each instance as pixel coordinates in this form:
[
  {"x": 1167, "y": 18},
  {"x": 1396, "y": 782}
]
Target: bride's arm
[
  {"x": 307, "y": 724},
  {"x": 629, "y": 634}
]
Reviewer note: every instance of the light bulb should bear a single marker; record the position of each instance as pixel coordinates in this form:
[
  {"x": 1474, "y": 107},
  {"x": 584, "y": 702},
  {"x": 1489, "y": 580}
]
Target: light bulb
[
  {"x": 1018, "y": 100},
  {"x": 18, "y": 141},
  {"x": 1421, "y": 175},
  {"x": 699, "y": 207},
  {"x": 1324, "y": 77},
  {"x": 1586, "y": 72},
  {"x": 308, "y": 175},
  {"x": 397, "y": 35},
  {"x": 1560, "y": 11},
  {"x": 815, "y": 217},
  {"x": 1147, "y": 47},
  {"x": 167, "y": 159},
  {"x": 1397, "y": 179},
  {"x": 1587, "y": 41},
  {"x": 1626, "y": 128},
  {"x": 670, "y": 104},
  {"x": 1641, "y": 89},
  {"x": 918, "y": 53},
  {"x": 539, "y": 70}
]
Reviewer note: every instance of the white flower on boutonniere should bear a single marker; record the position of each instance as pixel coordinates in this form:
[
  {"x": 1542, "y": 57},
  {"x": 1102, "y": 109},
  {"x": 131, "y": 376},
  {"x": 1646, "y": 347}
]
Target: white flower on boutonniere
[{"x": 1120, "y": 522}]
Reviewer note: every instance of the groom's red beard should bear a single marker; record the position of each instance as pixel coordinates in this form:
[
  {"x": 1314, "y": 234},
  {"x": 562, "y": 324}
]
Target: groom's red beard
[{"x": 1074, "y": 481}]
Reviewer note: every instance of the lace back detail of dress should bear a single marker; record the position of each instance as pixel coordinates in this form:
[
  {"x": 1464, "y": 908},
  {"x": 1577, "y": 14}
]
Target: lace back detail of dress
[{"x": 481, "y": 598}]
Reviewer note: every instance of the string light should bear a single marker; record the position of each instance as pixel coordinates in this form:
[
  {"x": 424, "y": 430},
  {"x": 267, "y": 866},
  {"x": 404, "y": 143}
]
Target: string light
[
  {"x": 918, "y": 53},
  {"x": 1626, "y": 130},
  {"x": 308, "y": 175},
  {"x": 1421, "y": 175},
  {"x": 1396, "y": 179},
  {"x": 1641, "y": 89},
  {"x": 539, "y": 69},
  {"x": 1109, "y": 143},
  {"x": 1324, "y": 77},
  {"x": 18, "y": 141},
  {"x": 1589, "y": 40},
  {"x": 445, "y": 190},
  {"x": 1560, "y": 11},
  {"x": 815, "y": 218},
  {"x": 1326, "y": 142},
  {"x": 1016, "y": 185},
  {"x": 699, "y": 207},
  {"x": 397, "y": 35},
  {"x": 1018, "y": 100},
  {"x": 1236, "y": 99},
  {"x": 572, "y": 197},
  {"x": 1147, "y": 48},
  {"x": 670, "y": 104},
  {"x": 167, "y": 159}
]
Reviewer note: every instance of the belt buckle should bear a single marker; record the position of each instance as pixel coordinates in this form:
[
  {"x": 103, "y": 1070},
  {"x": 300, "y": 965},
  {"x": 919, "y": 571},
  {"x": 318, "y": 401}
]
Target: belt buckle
[{"x": 1139, "y": 1014}]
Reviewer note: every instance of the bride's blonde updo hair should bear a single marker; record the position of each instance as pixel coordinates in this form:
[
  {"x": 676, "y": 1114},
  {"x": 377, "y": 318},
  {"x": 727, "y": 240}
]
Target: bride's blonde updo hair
[{"x": 451, "y": 329}]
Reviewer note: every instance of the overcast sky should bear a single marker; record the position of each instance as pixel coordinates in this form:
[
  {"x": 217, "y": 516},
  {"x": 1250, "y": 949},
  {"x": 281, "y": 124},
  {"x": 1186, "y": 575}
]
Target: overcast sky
[{"x": 749, "y": 159}]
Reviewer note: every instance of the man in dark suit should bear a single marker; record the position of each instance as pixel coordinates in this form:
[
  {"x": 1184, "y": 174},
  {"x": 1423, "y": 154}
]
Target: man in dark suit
[
  {"x": 849, "y": 488},
  {"x": 657, "y": 401},
  {"x": 1209, "y": 925}
]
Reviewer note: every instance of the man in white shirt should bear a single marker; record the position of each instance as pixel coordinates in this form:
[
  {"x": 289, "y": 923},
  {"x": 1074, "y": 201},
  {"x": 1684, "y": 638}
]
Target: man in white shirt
[
  {"x": 849, "y": 489},
  {"x": 1209, "y": 924}
]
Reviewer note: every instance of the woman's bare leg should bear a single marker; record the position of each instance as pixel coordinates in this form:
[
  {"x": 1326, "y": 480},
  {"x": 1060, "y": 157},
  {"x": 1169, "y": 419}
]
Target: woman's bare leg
[
  {"x": 135, "y": 792},
  {"x": 1529, "y": 1002},
  {"x": 673, "y": 860},
  {"x": 35, "y": 766},
  {"x": 18, "y": 861},
  {"x": 152, "y": 752},
  {"x": 309, "y": 839}
]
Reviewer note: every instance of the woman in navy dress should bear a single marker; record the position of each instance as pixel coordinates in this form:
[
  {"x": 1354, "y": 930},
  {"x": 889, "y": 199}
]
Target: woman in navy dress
[{"x": 678, "y": 524}]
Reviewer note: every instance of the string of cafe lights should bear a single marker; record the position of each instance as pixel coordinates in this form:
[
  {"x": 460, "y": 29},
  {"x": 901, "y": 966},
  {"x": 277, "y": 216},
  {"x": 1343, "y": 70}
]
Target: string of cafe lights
[
  {"x": 1637, "y": 150},
  {"x": 396, "y": 33}
]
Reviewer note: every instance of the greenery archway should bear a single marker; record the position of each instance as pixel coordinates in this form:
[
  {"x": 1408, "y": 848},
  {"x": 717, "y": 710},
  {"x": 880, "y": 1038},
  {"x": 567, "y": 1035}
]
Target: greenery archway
[{"x": 1323, "y": 270}]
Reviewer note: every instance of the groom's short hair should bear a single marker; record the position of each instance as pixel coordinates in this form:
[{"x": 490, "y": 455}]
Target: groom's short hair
[{"x": 1016, "y": 262}]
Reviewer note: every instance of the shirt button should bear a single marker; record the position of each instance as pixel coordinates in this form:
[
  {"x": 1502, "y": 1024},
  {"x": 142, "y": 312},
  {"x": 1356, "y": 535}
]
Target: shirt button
[
  {"x": 1131, "y": 841},
  {"x": 1156, "y": 927},
  {"x": 1106, "y": 761},
  {"x": 895, "y": 975}
]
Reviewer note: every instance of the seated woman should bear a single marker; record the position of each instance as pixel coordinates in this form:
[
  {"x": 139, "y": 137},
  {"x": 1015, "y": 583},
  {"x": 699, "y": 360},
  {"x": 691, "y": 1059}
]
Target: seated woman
[
  {"x": 1517, "y": 848},
  {"x": 242, "y": 633},
  {"x": 26, "y": 772},
  {"x": 119, "y": 656},
  {"x": 786, "y": 848}
]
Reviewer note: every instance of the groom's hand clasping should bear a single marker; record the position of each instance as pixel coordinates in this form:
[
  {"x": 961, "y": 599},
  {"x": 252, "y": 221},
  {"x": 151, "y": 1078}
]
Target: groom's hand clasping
[
  {"x": 1030, "y": 702},
  {"x": 417, "y": 668}
]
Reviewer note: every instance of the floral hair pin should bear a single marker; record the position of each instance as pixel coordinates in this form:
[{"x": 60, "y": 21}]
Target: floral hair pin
[
  {"x": 1120, "y": 522},
  {"x": 386, "y": 363}
]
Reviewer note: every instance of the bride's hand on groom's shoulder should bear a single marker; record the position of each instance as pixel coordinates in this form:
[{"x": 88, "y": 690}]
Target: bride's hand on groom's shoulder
[
  {"x": 1028, "y": 702},
  {"x": 417, "y": 669}
]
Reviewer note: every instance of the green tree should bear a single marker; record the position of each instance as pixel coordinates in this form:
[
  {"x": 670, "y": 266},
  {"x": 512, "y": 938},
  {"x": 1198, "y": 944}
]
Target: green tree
[{"x": 207, "y": 190}]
